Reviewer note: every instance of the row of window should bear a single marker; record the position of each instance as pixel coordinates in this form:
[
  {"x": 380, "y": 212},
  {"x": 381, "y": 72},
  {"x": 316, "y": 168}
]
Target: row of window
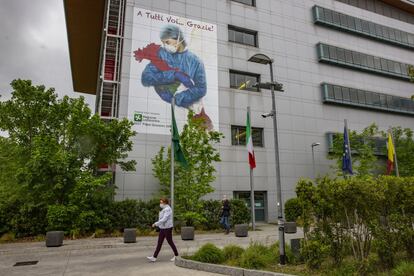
[
  {"x": 361, "y": 98},
  {"x": 355, "y": 25},
  {"x": 381, "y": 8},
  {"x": 361, "y": 61},
  {"x": 379, "y": 143},
  {"x": 238, "y": 136}
]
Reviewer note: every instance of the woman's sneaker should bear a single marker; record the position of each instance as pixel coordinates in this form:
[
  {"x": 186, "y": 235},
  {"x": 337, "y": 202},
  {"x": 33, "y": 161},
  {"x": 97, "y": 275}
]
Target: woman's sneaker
[
  {"x": 172, "y": 259},
  {"x": 152, "y": 259}
]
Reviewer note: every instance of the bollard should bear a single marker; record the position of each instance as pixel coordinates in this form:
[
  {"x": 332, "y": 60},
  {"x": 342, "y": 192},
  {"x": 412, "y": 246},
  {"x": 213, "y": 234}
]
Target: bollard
[
  {"x": 130, "y": 235},
  {"x": 54, "y": 238},
  {"x": 241, "y": 230}
]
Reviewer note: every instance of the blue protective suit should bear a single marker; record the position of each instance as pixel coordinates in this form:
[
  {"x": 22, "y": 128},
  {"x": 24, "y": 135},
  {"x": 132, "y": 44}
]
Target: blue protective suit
[{"x": 165, "y": 83}]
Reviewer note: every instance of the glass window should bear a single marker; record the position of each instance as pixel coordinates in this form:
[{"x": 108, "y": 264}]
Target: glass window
[
  {"x": 390, "y": 66},
  {"x": 404, "y": 69},
  {"x": 376, "y": 99},
  {"x": 389, "y": 101},
  {"x": 361, "y": 96},
  {"x": 371, "y": 28},
  {"x": 378, "y": 30},
  {"x": 328, "y": 15},
  {"x": 377, "y": 63},
  {"x": 238, "y": 136},
  {"x": 337, "y": 92},
  {"x": 365, "y": 26},
  {"x": 329, "y": 87},
  {"x": 325, "y": 51},
  {"x": 358, "y": 24},
  {"x": 404, "y": 37},
  {"x": 370, "y": 62},
  {"x": 410, "y": 39},
  {"x": 398, "y": 35},
  {"x": 332, "y": 52},
  {"x": 385, "y": 32},
  {"x": 364, "y": 61},
  {"x": 351, "y": 22},
  {"x": 348, "y": 56},
  {"x": 345, "y": 94},
  {"x": 384, "y": 65},
  {"x": 392, "y": 33},
  {"x": 335, "y": 18},
  {"x": 397, "y": 68},
  {"x": 383, "y": 100},
  {"x": 353, "y": 95},
  {"x": 344, "y": 20},
  {"x": 368, "y": 98},
  {"x": 319, "y": 14},
  {"x": 242, "y": 36},
  {"x": 341, "y": 54},
  {"x": 246, "y": 2},
  {"x": 356, "y": 57},
  {"x": 237, "y": 79}
]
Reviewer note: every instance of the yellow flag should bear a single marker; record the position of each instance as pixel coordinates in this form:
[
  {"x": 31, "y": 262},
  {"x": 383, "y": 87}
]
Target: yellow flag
[{"x": 391, "y": 152}]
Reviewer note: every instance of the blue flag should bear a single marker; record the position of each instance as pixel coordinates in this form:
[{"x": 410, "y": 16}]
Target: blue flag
[{"x": 346, "y": 156}]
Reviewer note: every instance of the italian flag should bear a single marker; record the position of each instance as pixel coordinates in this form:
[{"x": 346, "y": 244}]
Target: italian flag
[
  {"x": 249, "y": 142},
  {"x": 391, "y": 153}
]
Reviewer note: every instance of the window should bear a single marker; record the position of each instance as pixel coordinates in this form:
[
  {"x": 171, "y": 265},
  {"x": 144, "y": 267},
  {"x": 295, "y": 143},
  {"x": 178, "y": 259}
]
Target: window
[
  {"x": 238, "y": 136},
  {"x": 364, "y": 62},
  {"x": 237, "y": 79},
  {"x": 247, "y": 2},
  {"x": 361, "y": 98},
  {"x": 243, "y": 36},
  {"x": 362, "y": 27}
]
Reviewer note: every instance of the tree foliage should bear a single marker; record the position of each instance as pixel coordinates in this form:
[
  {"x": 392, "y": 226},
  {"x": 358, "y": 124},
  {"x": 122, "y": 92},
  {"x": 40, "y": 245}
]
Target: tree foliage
[
  {"x": 194, "y": 182},
  {"x": 53, "y": 150}
]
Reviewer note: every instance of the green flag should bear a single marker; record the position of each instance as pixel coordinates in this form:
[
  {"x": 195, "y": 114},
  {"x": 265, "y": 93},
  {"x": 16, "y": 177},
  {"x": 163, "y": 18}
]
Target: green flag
[{"x": 178, "y": 152}]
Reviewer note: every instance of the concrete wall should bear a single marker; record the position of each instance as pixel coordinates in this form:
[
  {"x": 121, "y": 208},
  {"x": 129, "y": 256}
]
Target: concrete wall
[{"x": 287, "y": 33}]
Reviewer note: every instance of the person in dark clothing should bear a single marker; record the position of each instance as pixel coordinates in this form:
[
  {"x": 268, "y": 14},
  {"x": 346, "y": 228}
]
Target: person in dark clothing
[{"x": 225, "y": 214}]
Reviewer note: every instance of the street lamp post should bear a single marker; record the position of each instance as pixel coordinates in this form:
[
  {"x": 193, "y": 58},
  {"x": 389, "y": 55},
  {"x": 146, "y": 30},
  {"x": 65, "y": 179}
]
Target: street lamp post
[
  {"x": 314, "y": 144},
  {"x": 264, "y": 59}
]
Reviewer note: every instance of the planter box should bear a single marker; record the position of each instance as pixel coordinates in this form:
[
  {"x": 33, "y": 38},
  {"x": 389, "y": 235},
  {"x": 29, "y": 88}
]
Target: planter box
[
  {"x": 54, "y": 238},
  {"x": 241, "y": 230},
  {"x": 130, "y": 235},
  {"x": 187, "y": 233}
]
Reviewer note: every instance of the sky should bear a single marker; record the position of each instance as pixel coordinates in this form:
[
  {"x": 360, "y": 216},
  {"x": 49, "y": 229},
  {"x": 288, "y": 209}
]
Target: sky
[{"x": 33, "y": 45}]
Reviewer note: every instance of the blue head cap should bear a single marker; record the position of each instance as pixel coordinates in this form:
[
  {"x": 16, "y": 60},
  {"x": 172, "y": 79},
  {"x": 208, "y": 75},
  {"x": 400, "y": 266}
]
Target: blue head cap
[{"x": 171, "y": 31}]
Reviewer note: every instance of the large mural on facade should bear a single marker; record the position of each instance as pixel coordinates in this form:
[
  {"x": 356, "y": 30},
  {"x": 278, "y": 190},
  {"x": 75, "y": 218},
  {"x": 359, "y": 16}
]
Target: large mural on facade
[{"x": 172, "y": 56}]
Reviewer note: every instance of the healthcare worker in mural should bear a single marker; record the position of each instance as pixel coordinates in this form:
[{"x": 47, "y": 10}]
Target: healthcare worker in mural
[{"x": 175, "y": 71}]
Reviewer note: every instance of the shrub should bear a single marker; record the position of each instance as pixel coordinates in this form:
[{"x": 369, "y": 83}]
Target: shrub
[
  {"x": 314, "y": 253},
  {"x": 232, "y": 252},
  {"x": 290, "y": 257},
  {"x": 60, "y": 217},
  {"x": 404, "y": 269},
  {"x": 209, "y": 253},
  {"x": 293, "y": 209},
  {"x": 211, "y": 212},
  {"x": 239, "y": 212},
  {"x": 256, "y": 256}
]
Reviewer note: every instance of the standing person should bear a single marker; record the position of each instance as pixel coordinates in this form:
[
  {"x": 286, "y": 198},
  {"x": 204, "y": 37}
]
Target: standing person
[
  {"x": 225, "y": 214},
  {"x": 165, "y": 223}
]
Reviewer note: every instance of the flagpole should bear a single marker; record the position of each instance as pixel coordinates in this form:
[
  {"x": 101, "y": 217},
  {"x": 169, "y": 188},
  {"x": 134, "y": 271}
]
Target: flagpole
[
  {"x": 397, "y": 173},
  {"x": 172, "y": 159},
  {"x": 251, "y": 185}
]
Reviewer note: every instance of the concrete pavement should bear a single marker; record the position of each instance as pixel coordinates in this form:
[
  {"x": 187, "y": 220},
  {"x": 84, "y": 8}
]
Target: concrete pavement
[{"x": 110, "y": 256}]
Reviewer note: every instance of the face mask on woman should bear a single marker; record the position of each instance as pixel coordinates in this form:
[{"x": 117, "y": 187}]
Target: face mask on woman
[{"x": 162, "y": 206}]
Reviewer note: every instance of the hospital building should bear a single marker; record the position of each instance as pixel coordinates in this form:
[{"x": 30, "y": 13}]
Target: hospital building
[{"x": 336, "y": 59}]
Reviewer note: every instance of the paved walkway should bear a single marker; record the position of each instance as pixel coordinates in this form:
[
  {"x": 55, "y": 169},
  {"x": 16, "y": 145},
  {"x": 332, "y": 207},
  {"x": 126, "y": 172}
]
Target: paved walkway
[{"x": 110, "y": 256}]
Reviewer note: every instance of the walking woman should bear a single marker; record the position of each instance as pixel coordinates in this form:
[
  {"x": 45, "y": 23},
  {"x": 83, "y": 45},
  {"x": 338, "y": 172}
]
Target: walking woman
[{"x": 165, "y": 224}]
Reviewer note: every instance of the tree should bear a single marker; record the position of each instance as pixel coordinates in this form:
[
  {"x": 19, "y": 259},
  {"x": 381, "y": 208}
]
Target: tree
[
  {"x": 364, "y": 160},
  {"x": 194, "y": 182},
  {"x": 404, "y": 148},
  {"x": 55, "y": 145}
]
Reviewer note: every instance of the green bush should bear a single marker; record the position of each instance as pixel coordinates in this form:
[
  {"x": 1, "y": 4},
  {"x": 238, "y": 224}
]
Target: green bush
[
  {"x": 290, "y": 257},
  {"x": 314, "y": 253},
  {"x": 60, "y": 217},
  {"x": 404, "y": 269},
  {"x": 293, "y": 209},
  {"x": 256, "y": 256},
  {"x": 211, "y": 212},
  {"x": 209, "y": 253},
  {"x": 232, "y": 252},
  {"x": 239, "y": 212}
]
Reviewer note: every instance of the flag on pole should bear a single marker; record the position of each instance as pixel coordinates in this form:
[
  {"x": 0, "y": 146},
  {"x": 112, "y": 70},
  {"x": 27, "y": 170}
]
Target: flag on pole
[
  {"x": 178, "y": 152},
  {"x": 346, "y": 156},
  {"x": 249, "y": 143},
  {"x": 391, "y": 153}
]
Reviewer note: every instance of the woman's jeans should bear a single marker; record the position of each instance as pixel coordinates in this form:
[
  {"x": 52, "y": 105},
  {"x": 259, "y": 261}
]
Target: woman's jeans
[
  {"x": 165, "y": 233},
  {"x": 225, "y": 222}
]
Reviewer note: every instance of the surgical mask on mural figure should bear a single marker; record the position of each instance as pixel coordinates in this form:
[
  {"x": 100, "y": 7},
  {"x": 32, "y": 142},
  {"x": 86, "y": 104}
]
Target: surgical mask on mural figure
[{"x": 173, "y": 48}]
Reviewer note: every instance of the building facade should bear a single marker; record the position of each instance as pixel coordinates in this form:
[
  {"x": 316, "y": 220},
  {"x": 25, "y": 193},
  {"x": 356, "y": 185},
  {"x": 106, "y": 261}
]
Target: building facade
[{"x": 336, "y": 59}]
